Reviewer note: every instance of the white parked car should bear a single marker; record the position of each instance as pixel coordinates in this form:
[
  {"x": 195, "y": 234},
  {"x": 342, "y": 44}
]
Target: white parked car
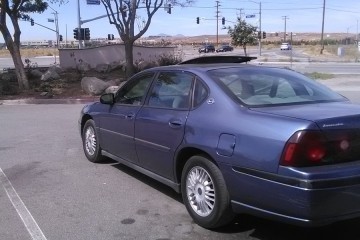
[{"x": 285, "y": 46}]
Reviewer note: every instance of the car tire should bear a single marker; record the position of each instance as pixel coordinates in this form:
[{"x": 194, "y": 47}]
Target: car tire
[
  {"x": 205, "y": 194},
  {"x": 91, "y": 144}
]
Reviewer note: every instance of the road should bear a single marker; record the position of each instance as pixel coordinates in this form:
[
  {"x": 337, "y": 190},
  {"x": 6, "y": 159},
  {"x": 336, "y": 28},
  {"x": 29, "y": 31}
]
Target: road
[
  {"x": 39, "y": 61},
  {"x": 277, "y": 59},
  {"x": 50, "y": 190}
]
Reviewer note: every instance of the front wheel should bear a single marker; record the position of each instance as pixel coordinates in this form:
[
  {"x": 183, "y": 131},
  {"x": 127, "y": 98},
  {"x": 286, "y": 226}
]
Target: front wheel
[
  {"x": 91, "y": 143},
  {"x": 205, "y": 193}
]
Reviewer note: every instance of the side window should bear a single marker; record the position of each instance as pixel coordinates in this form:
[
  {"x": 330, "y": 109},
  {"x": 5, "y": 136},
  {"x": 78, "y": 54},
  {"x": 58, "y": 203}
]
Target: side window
[
  {"x": 200, "y": 93},
  {"x": 172, "y": 90},
  {"x": 134, "y": 92},
  {"x": 285, "y": 89}
]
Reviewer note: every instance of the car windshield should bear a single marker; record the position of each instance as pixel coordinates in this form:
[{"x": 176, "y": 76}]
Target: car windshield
[{"x": 271, "y": 86}]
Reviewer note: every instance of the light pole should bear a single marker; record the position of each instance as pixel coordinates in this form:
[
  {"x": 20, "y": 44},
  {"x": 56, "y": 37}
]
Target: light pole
[
  {"x": 259, "y": 25},
  {"x": 217, "y": 23},
  {"x": 79, "y": 26},
  {"x": 56, "y": 27}
]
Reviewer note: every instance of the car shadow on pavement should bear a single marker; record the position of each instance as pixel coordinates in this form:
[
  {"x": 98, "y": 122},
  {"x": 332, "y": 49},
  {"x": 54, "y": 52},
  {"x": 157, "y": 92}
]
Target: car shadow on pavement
[
  {"x": 270, "y": 230},
  {"x": 149, "y": 181}
]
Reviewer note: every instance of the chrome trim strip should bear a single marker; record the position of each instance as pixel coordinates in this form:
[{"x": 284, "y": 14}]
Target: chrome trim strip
[
  {"x": 153, "y": 145},
  {"x": 120, "y": 134}
]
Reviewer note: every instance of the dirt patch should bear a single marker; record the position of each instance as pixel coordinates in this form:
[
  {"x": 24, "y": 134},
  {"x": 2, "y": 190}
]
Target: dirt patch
[{"x": 68, "y": 86}]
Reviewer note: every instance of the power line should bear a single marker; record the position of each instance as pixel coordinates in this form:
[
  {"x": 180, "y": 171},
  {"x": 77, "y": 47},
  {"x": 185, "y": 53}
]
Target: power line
[{"x": 340, "y": 10}]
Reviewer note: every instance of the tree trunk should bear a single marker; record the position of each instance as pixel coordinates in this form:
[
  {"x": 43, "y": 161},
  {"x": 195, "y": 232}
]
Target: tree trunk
[
  {"x": 130, "y": 69},
  {"x": 244, "y": 47},
  {"x": 19, "y": 69},
  {"x": 16, "y": 56}
]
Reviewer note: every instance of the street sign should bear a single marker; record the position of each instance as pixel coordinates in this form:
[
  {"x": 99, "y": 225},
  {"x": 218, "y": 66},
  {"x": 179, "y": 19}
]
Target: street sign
[
  {"x": 250, "y": 16},
  {"x": 93, "y": 2}
]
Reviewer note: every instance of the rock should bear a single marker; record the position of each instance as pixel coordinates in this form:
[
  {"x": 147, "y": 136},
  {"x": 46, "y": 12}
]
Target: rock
[
  {"x": 115, "y": 65},
  {"x": 112, "y": 89},
  {"x": 36, "y": 73},
  {"x": 102, "y": 68},
  {"x": 83, "y": 67},
  {"x": 93, "y": 85},
  {"x": 50, "y": 74},
  {"x": 57, "y": 69},
  {"x": 145, "y": 65}
]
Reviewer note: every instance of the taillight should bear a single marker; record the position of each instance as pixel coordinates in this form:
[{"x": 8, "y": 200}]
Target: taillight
[
  {"x": 313, "y": 148},
  {"x": 304, "y": 148}
]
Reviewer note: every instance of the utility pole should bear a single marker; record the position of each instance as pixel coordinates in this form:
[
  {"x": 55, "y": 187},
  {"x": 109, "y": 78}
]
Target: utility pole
[
  {"x": 259, "y": 25},
  {"x": 357, "y": 31},
  {"x": 260, "y": 28},
  {"x": 240, "y": 12},
  {"x": 217, "y": 23},
  {"x": 285, "y": 18},
  {"x": 322, "y": 29}
]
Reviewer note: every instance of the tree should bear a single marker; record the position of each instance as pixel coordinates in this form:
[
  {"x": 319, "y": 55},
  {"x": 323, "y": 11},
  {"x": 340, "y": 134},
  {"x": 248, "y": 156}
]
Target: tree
[
  {"x": 242, "y": 34},
  {"x": 16, "y": 10},
  {"x": 123, "y": 14}
]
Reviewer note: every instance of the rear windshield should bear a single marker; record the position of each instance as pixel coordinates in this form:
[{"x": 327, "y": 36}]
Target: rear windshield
[{"x": 255, "y": 86}]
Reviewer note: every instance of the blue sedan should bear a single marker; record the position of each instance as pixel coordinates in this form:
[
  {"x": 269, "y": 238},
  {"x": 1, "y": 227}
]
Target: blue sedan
[{"x": 234, "y": 138}]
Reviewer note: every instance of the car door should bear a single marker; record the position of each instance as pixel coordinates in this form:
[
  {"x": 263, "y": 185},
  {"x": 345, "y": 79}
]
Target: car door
[
  {"x": 160, "y": 124},
  {"x": 117, "y": 125}
]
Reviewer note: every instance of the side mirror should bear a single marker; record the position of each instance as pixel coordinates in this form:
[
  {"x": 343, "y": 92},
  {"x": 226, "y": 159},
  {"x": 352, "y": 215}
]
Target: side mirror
[{"x": 107, "y": 98}]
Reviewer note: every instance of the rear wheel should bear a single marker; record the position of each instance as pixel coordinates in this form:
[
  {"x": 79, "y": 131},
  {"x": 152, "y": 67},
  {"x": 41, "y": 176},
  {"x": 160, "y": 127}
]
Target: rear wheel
[
  {"x": 91, "y": 143},
  {"x": 205, "y": 193}
]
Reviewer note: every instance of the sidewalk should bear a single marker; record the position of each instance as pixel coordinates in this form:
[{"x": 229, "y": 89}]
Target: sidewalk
[{"x": 50, "y": 101}]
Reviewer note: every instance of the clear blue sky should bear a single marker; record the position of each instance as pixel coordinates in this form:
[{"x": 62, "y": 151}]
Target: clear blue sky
[{"x": 303, "y": 16}]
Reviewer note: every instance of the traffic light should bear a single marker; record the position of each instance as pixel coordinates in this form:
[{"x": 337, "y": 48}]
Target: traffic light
[
  {"x": 259, "y": 34},
  {"x": 110, "y": 36},
  {"x": 264, "y": 35},
  {"x": 60, "y": 38},
  {"x": 223, "y": 21},
  {"x": 169, "y": 9},
  {"x": 87, "y": 34},
  {"x": 32, "y": 22},
  {"x": 76, "y": 33},
  {"x": 197, "y": 20}
]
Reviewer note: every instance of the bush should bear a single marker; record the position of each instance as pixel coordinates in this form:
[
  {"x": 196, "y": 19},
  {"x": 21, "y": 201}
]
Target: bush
[{"x": 166, "y": 60}]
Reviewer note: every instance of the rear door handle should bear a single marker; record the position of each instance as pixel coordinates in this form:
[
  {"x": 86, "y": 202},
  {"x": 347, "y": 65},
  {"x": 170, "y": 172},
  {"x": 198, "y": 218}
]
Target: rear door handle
[
  {"x": 175, "y": 123},
  {"x": 129, "y": 116}
]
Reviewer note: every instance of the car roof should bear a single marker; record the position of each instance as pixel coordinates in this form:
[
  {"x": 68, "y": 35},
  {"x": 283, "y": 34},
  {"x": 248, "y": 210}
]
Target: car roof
[
  {"x": 203, "y": 67},
  {"x": 203, "y": 63}
]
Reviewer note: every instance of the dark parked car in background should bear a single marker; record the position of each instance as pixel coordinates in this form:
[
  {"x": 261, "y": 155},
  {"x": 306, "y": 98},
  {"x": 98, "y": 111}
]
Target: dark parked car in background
[
  {"x": 234, "y": 138},
  {"x": 206, "y": 49},
  {"x": 225, "y": 48}
]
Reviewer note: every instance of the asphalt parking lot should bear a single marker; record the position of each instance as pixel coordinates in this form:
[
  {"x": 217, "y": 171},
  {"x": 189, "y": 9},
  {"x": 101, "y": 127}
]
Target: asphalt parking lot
[{"x": 48, "y": 190}]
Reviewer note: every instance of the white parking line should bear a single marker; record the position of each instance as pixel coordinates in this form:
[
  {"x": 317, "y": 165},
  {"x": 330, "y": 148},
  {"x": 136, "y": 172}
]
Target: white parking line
[{"x": 28, "y": 220}]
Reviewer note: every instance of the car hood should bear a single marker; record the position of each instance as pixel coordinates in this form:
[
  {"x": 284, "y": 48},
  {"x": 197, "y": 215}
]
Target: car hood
[{"x": 339, "y": 115}]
